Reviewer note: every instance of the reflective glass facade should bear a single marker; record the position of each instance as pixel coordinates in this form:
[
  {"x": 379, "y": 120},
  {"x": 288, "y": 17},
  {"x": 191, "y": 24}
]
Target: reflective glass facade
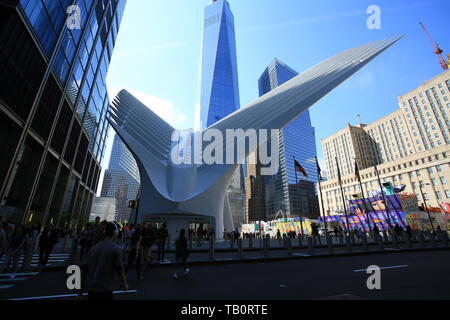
[
  {"x": 122, "y": 179},
  {"x": 219, "y": 93},
  {"x": 297, "y": 140},
  {"x": 53, "y": 107}
]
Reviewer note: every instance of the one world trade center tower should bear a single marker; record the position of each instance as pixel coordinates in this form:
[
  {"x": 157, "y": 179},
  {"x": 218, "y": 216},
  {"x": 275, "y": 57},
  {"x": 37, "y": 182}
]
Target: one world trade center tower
[{"x": 219, "y": 92}]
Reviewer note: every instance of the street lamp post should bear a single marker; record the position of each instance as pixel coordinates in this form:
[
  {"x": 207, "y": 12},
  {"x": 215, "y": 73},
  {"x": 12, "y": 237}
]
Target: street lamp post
[{"x": 425, "y": 204}]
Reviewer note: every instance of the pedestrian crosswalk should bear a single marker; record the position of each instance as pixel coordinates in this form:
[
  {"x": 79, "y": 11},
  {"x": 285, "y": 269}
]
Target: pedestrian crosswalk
[
  {"x": 6, "y": 282},
  {"x": 53, "y": 258}
]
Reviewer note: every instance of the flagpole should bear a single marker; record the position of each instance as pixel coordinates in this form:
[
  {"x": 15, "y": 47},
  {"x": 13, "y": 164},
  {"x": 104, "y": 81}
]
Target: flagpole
[
  {"x": 342, "y": 194},
  {"x": 319, "y": 176},
  {"x": 363, "y": 195},
  {"x": 297, "y": 193},
  {"x": 384, "y": 198}
]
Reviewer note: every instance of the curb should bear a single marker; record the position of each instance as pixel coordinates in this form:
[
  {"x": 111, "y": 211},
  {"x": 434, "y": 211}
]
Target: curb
[{"x": 271, "y": 259}]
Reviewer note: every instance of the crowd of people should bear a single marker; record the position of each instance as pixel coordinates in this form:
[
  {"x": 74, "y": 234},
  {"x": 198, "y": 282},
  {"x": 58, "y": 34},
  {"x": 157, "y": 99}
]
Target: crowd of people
[
  {"x": 316, "y": 232},
  {"x": 108, "y": 250},
  {"x": 118, "y": 249},
  {"x": 18, "y": 240}
]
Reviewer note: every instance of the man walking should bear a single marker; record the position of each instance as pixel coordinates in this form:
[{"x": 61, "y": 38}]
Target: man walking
[
  {"x": 161, "y": 241},
  {"x": 48, "y": 239},
  {"x": 104, "y": 268}
]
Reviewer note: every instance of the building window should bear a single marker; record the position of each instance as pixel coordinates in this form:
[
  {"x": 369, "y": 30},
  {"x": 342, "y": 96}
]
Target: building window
[
  {"x": 443, "y": 181},
  {"x": 425, "y": 196},
  {"x": 435, "y": 182},
  {"x": 438, "y": 195},
  {"x": 430, "y": 170},
  {"x": 439, "y": 168},
  {"x": 447, "y": 194}
]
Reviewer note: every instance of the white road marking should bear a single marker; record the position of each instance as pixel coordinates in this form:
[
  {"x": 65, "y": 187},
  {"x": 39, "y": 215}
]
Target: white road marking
[
  {"x": 19, "y": 274},
  {"x": 15, "y": 279},
  {"x": 391, "y": 267},
  {"x": 6, "y": 286},
  {"x": 67, "y": 296}
]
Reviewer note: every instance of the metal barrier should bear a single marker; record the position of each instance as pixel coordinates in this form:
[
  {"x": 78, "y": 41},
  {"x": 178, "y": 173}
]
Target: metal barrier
[
  {"x": 364, "y": 242},
  {"x": 341, "y": 240},
  {"x": 348, "y": 244},
  {"x": 232, "y": 242},
  {"x": 330, "y": 244},
  {"x": 239, "y": 244},
  {"x": 352, "y": 239},
  {"x": 211, "y": 248},
  {"x": 300, "y": 241},
  {"x": 408, "y": 242},
  {"x": 433, "y": 240},
  {"x": 289, "y": 247},
  {"x": 266, "y": 247},
  {"x": 250, "y": 242},
  {"x": 379, "y": 240},
  {"x": 422, "y": 239},
  {"x": 385, "y": 237},
  {"x": 395, "y": 241},
  {"x": 444, "y": 238},
  {"x": 310, "y": 246}
]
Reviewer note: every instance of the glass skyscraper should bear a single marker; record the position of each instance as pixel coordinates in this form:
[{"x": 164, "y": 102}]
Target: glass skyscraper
[
  {"x": 53, "y": 106},
  {"x": 219, "y": 94},
  {"x": 219, "y": 91},
  {"x": 297, "y": 139},
  {"x": 121, "y": 179}
]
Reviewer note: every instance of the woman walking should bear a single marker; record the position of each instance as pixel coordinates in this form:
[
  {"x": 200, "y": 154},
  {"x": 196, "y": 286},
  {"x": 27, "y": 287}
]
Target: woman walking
[
  {"x": 17, "y": 243},
  {"x": 181, "y": 253}
]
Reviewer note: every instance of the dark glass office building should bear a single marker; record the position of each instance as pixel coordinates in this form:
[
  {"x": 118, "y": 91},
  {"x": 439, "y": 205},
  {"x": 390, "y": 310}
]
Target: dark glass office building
[
  {"x": 293, "y": 194},
  {"x": 54, "y": 55}
]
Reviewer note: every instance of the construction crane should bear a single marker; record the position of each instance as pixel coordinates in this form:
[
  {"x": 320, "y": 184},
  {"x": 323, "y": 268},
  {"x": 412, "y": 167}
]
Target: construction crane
[{"x": 438, "y": 51}]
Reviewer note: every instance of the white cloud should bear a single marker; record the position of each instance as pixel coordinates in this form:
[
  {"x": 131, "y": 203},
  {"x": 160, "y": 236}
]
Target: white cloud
[{"x": 164, "y": 108}]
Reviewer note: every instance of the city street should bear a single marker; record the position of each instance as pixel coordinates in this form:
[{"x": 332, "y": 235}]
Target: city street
[{"x": 406, "y": 275}]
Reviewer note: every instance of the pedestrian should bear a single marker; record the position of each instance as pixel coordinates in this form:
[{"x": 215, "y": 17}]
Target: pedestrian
[
  {"x": 104, "y": 271},
  {"x": 375, "y": 229},
  {"x": 161, "y": 241},
  {"x": 409, "y": 231},
  {"x": 236, "y": 235},
  {"x": 148, "y": 239},
  {"x": 211, "y": 234},
  {"x": 98, "y": 231},
  {"x": 181, "y": 253},
  {"x": 4, "y": 240},
  {"x": 48, "y": 239},
  {"x": 84, "y": 241},
  {"x": 135, "y": 253},
  {"x": 336, "y": 232},
  {"x": 199, "y": 235},
  {"x": 16, "y": 244}
]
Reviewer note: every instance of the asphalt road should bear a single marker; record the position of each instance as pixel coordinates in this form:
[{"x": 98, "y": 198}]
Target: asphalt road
[{"x": 407, "y": 275}]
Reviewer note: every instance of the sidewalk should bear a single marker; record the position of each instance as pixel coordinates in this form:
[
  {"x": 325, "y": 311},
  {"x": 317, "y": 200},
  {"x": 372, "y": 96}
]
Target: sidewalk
[{"x": 225, "y": 254}]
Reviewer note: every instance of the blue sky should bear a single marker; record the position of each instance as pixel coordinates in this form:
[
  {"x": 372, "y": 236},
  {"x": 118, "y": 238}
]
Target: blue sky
[{"x": 157, "y": 53}]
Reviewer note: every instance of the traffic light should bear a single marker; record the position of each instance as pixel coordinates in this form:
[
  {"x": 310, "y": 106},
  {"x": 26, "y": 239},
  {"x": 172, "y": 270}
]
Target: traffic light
[{"x": 132, "y": 204}]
